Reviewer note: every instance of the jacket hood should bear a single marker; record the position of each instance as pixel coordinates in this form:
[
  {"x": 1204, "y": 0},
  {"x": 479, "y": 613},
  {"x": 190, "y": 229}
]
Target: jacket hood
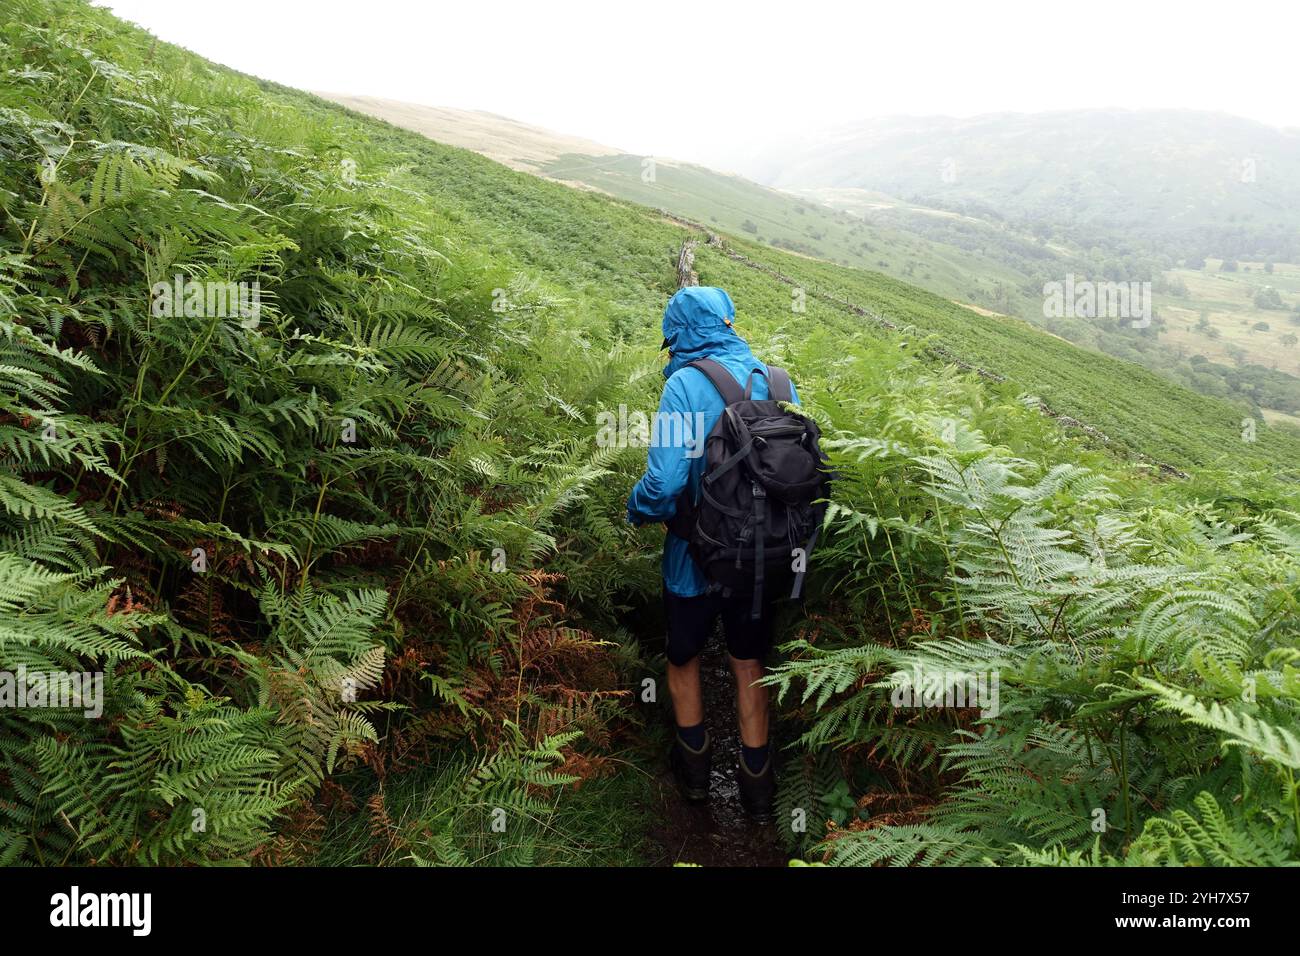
[{"x": 697, "y": 324}]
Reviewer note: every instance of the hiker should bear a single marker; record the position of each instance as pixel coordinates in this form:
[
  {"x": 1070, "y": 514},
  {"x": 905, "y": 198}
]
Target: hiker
[{"x": 698, "y": 325}]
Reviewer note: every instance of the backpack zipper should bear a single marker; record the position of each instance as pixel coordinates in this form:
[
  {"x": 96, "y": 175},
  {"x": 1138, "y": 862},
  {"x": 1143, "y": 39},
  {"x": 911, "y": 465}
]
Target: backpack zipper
[{"x": 775, "y": 430}]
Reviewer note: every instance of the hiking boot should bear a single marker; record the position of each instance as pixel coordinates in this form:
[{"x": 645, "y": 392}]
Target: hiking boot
[
  {"x": 691, "y": 768},
  {"x": 757, "y": 791}
]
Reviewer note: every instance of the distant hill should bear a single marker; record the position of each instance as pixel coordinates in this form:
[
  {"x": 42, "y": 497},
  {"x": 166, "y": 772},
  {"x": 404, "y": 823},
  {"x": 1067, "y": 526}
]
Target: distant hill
[
  {"x": 511, "y": 143},
  {"x": 1178, "y": 182}
]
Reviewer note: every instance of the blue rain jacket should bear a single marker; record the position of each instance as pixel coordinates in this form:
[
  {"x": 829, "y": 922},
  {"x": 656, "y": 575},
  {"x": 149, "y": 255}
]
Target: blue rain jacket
[{"x": 696, "y": 325}]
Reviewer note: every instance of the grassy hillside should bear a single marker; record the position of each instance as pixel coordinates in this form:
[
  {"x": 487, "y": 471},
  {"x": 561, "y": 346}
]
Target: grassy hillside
[
  {"x": 722, "y": 201},
  {"x": 1233, "y": 361},
  {"x": 739, "y": 206},
  {"x": 1139, "y": 410},
  {"x": 353, "y": 568},
  {"x": 977, "y": 257}
]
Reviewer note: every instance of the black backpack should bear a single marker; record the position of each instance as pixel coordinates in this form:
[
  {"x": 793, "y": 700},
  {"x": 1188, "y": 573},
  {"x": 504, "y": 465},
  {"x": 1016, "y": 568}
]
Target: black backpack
[{"x": 763, "y": 492}]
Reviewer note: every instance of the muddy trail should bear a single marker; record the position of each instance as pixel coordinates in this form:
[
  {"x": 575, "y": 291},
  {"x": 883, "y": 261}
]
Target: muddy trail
[{"x": 717, "y": 833}]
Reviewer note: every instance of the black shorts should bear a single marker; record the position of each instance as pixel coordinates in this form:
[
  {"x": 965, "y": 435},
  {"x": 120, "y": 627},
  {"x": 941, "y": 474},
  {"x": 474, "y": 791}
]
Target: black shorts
[{"x": 691, "y": 621}]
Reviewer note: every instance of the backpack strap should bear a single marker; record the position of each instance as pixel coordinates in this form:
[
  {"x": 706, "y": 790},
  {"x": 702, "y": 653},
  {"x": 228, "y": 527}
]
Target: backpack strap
[
  {"x": 778, "y": 384},
  {"x": 727, "y": 386},
  {"x": 762, "y": 525}
]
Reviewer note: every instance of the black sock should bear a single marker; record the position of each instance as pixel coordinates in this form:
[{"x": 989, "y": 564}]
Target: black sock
[
  {"x": 755, "y": 757},
  {"x": 692, "y": 737}
]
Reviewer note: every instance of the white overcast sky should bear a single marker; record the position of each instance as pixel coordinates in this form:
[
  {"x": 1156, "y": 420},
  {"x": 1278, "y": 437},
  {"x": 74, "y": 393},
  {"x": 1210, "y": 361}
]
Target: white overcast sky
[{"x": 691, "y": 79}]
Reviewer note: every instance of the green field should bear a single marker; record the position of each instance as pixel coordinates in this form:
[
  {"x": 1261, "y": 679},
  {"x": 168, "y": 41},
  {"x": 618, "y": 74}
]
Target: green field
[{"x": 1227, "y": 301}]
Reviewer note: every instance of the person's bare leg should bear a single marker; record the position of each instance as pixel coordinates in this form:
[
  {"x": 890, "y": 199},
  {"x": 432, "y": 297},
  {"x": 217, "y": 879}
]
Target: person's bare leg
[
  {"x": 684, "y": 688},
  {"x": 751, "y": 701}
]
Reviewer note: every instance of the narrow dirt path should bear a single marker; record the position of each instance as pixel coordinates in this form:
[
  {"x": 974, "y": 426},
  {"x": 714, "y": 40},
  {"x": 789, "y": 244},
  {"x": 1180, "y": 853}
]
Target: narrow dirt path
[{"x": 718, "y": 833}]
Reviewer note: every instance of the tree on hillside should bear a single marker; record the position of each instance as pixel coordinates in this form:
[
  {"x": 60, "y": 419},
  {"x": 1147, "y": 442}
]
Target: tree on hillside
[
  {"x": 1229, "y": 265},
  {"x": 1269, "y": 298}
]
